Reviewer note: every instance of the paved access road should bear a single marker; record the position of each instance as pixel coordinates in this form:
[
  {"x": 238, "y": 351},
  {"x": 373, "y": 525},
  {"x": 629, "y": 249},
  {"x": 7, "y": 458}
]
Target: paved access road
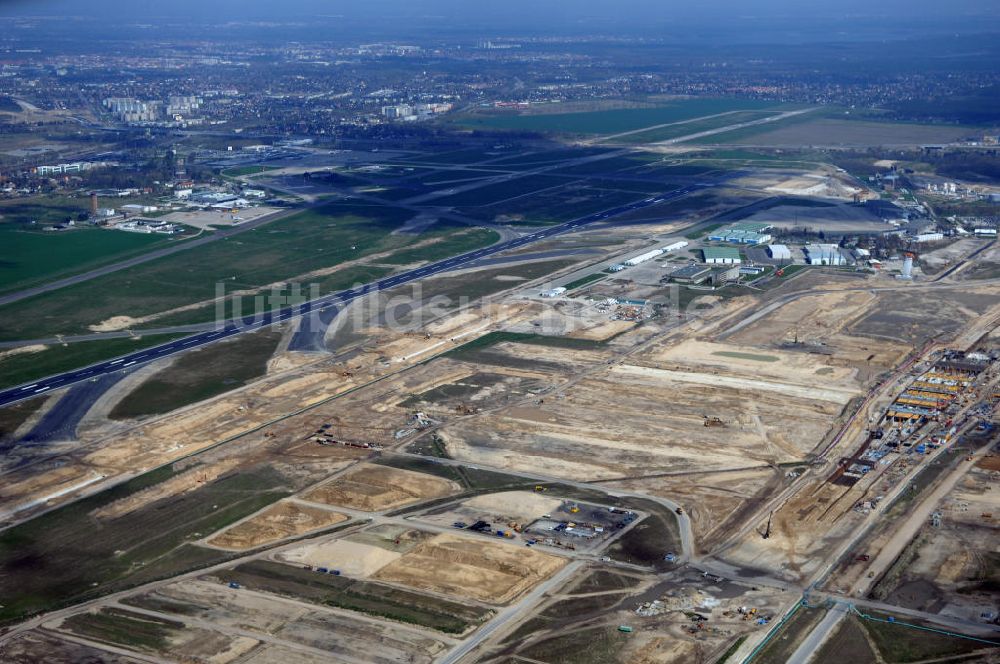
[{"x": 320, "y": 305}]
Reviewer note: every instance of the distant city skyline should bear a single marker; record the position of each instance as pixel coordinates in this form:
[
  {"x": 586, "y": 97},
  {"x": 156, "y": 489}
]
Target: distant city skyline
[{"x": 523, "y": 14}]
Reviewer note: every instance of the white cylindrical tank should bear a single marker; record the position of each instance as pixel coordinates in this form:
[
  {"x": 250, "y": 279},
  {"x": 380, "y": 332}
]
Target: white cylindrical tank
[{"x": 907, "y": 266}]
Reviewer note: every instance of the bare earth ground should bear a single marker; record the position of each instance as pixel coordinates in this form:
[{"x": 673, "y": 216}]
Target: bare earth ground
[
  {"x": 375, "y": 488},
  {"x": 462, "y": 566},
  {"x": 275, "y": 523}
]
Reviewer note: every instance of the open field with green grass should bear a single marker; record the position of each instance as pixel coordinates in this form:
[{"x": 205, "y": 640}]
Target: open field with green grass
[
  {"x": 458, "y": 243},
  {"x": 247, "y": 170},
  {"x": 12, "y": 417},
  {"x": 248, "y": 305},
  {"x": 613, "y": 121},
  {"x": 474, "y": 285},
  {"x": 746, "y": 356},
  {"x": 42, "y": 209},
  {"x": 824, "y": 129},
  {"x": 125, "y": 628},
  {"x": 689, "y": 128},
  {"x": 201, "y": 374},
  {"x": 594, "y": 645},
  {"x": 32, "y": 257},
  {"x": 26, "y": 367},
  {"x": 788, "y": 635},
  {"x": 898, "y": 644},
  {"x": 323, "y": 237},
  {"x": 56, "y": 559},
  {"x": 648, "y": 541},
  {"x": 583, "y": 281}
]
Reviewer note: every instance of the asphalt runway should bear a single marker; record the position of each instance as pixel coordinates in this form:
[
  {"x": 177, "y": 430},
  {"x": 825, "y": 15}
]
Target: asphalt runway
[
  {"x": 62, "y": 419},
  {"x": 332, "y": 301},
  {"x": 311, "y": 335}
]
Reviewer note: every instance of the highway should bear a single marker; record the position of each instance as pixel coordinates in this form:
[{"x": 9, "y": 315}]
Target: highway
[{"x": 319, "y": 305}]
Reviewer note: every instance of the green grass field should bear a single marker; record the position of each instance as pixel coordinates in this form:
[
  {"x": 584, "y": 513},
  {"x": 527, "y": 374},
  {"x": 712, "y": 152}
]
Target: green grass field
[
  {"x": 608, "y": 122},
  {"x": 746, "y": 356},
  {"x": 125, "y": 628},
  {"x": 12, "y": 417},
  {"x": 42, "y": 209},
  {"x": 583, "y": 281},
  {"x": 247, "y": 170},
  {"x": 26, "y": 367},
  {"x": 323, "y": 237},
  {"x": 56, "y": 559},
  {"x": 201, "y": 374},
  {"x": 457, "y": 243},
  {"x": 737, "y": 135},
  {"x": 689, "y": 128},
  {"x": 32, "y": 257}
]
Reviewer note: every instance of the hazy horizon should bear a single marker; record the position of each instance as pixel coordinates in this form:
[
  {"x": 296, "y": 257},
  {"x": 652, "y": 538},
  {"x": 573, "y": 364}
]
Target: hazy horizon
[{"x": 851, "y": 19}]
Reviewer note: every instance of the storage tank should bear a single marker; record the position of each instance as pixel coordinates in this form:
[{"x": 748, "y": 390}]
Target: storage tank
[{"x": 907, "y": 267}]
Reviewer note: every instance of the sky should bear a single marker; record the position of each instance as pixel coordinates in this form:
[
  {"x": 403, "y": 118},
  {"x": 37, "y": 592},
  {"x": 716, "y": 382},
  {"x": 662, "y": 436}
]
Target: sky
[{"x": 541, "y": 15}]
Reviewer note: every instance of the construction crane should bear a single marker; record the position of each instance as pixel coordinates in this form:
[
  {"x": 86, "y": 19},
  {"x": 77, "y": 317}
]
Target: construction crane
[{"x": 767, "y": 531}]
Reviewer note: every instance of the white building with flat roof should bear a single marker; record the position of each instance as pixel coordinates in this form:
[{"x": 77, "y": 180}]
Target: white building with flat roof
[
  {"x": 824, "y": 254},
  {"x": 779, "y": 252}
]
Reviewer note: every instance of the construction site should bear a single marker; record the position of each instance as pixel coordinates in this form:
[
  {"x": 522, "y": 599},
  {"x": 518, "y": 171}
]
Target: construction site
[{"x": 588, "y": 477}]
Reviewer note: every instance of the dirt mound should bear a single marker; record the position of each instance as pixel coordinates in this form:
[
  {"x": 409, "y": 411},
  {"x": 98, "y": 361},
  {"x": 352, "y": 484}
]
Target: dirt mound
[
  {"x": 275, "y": 523},
  {"x": 372, "y": 488}
]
